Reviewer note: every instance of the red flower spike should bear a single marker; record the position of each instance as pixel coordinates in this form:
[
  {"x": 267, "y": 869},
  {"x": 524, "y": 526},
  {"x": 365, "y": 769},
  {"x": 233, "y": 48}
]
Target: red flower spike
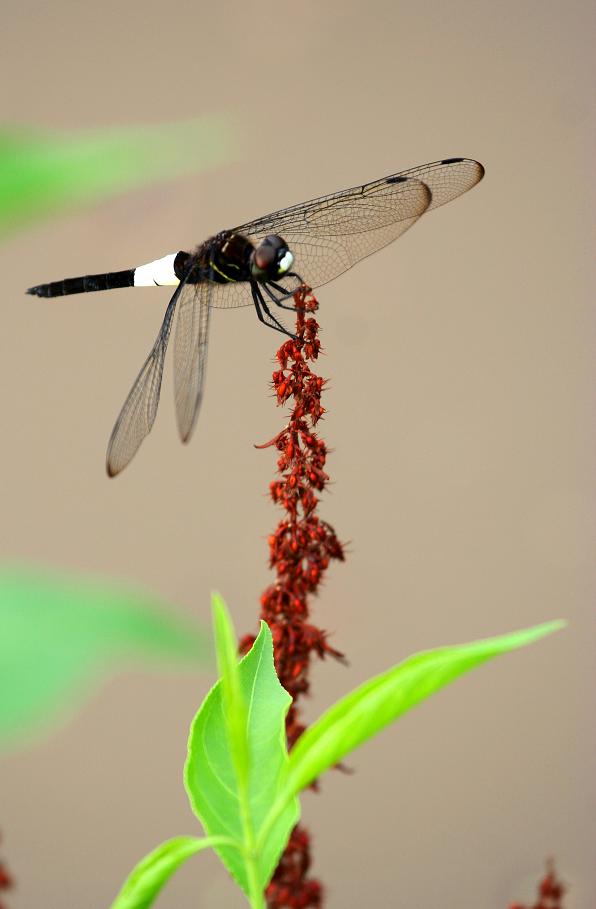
[
  {"x": 6, "y": 883},
  {"x": 293, "y": 889},
  {"x": 300, "y": 551},
  {"x": 550, "y": 892}
]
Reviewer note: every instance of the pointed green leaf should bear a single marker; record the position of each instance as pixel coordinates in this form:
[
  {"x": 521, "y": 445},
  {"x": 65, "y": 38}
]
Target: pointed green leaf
[
  {"x": 224, "y": 805},
  {"x": 58, "y": 636},
  {"x": 43, "y": 173},
  {"x": 378, "y": 702},
  {"x": 234, "y": 703},
  {"x": 147, "y": 879}
]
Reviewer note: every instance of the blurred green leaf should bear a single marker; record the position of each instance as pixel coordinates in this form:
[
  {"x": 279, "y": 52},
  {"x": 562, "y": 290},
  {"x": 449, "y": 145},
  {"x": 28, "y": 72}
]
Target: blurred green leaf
[
  {"x": 47, "y": 172},
  {"x": 149, "y": 876},
  {"x": 225, "y": 802},
  {"x": 368, "y": 709},
  {"x": 58, "y": 636}
]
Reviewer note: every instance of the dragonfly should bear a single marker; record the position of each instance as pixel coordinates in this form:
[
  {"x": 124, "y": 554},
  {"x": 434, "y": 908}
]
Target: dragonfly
[{"x": 260, "y": 263}]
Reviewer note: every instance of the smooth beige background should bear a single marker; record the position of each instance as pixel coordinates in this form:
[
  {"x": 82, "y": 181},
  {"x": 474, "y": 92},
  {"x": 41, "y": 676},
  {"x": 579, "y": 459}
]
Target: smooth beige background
[{"x": 460, "y": 413}]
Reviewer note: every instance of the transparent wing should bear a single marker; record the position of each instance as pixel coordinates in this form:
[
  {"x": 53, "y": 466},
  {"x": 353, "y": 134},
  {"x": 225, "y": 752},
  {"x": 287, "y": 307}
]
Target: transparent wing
[
  {"x": 446, "y": 179},
  {"x": 138, "y": 412},
  {"x": 326, "y": 242},
  {"x": 346, "y": 211},
  {"x": 190, "y": 354},
  {"x": 330, "y": 234}
]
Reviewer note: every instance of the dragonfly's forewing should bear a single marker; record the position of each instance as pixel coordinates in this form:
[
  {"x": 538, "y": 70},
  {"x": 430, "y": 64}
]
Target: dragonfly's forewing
[{"x": 330, "y": 234}]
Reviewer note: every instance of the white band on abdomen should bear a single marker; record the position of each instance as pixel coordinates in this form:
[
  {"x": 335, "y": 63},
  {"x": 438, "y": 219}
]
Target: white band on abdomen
[{"x": 160, "y": 272}]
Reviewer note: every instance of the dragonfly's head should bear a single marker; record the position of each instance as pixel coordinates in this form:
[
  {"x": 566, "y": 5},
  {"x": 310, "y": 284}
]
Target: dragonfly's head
[{"x": 271, "y": 259}]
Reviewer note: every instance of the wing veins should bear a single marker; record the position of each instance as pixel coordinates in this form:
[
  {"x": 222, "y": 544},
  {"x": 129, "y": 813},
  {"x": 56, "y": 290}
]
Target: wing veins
[{"x": 139, "y": 410}]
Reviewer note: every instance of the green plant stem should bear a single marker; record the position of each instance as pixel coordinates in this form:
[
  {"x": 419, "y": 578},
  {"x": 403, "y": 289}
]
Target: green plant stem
[
  {"x": 213, "y": 841},
  {"x": 252, "y": 869},
  {"x": 238, "y": 728},
  {"x": 257, "y": 898},
  {"x": 272, "y": 817}
]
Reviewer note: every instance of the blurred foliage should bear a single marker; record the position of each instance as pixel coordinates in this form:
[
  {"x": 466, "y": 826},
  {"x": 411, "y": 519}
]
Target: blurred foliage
[
  {"x": 59, "y": 636},
  {"x": 46, "y": 172}
]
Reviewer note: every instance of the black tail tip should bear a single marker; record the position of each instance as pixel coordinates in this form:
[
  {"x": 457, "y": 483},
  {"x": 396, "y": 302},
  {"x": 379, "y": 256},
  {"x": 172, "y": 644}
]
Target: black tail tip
[{"x": 40, "y": 290}]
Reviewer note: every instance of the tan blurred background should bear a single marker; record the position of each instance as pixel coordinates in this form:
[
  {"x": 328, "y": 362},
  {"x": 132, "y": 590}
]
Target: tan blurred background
[{"x": 459, "y": 413}]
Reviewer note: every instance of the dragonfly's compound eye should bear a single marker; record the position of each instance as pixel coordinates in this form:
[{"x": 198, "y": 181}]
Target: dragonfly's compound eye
[
  {"x": 285, "y": 263},
  {"x": 271, "y": 259}
]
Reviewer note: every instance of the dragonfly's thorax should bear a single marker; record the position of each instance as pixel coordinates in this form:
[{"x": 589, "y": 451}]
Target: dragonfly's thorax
[
  {"x": 225, "y": 258},
  {"x": 229, "y": 257}
]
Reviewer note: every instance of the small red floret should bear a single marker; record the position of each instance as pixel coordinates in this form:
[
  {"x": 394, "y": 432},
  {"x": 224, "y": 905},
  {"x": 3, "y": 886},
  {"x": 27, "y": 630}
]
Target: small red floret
[
  {"x": 550, "y": 892},
  {"x": 5, "y": 882}
]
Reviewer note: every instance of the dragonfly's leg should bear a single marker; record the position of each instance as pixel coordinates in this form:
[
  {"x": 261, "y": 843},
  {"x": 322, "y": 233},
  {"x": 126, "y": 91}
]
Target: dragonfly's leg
[
  {"x": 263, "y": 310},
  {"x": 277, "y": 300},
  {"x": 299, "y": 283},
  {"x": 285, "y": 294}
]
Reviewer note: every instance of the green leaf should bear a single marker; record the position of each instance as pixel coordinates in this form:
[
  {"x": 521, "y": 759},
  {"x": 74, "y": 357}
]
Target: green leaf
[
  {"x": 234, "y": 703},
  {"x": 368, "y": 709},
  {"x": 147, "y": 879},
  {"x": 44, "y": 173},
  {"x": 58, "y": 636},
  {"x": 224, "y": 803}
]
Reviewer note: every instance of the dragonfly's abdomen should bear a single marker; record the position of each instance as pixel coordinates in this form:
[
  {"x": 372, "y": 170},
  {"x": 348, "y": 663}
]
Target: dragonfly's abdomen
[
  {"x": 161, "y": 272},
  {"x": 165, "y": 271},
  {"x": 85, "y": 284}
]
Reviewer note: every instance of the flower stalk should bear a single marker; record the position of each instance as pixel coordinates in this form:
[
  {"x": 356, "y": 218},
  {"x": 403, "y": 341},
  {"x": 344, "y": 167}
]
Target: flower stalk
[{"x": 300, "y": 551}]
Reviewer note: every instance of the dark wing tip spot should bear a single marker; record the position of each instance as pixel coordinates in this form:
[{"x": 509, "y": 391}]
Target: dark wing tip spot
[
  {"x": 396, "y": 180},
  {"x": 452, "y": 160},
  {"x": 111, "y": 469}
]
